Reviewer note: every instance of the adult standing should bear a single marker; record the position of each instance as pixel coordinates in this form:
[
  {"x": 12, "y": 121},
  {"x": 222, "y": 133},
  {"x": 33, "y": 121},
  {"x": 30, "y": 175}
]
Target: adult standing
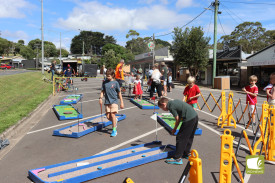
[
  {"x": 53, "y": 68},
  {"x": 104, "y": 71},
  {"x": 119, "y": 75},
  {"x": 134, "y": 70},
  {"x": 155, "y": 81},
  {"x": 164, "y": 73}
]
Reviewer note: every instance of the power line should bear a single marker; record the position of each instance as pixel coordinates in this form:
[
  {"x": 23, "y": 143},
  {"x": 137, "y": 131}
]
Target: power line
[
  {"x": 186, "y": 23},
  {"x": 233, "y": 13},
  {"x": 263, "y": 3},
  {"x": 221, "y": 25},
  {"x": 231, "y": 16},
  {"x": 209, "y": 24}
]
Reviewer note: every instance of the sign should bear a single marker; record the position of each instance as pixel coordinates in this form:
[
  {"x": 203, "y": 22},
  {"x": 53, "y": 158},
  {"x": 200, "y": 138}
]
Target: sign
[{"x": 151, "y": 45}]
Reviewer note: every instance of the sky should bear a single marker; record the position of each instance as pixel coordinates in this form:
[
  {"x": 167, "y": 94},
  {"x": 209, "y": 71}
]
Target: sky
[{"x": 21, "y": 19}]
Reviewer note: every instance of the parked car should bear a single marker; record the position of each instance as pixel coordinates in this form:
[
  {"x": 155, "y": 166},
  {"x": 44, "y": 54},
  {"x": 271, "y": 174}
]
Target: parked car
[
  {"x": 58, "y": 69},
  {"x": 5, "y": 66},
  {"x": 46, "y": 67}
]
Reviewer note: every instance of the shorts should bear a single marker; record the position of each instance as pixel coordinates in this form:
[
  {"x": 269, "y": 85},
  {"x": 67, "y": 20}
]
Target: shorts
[
  {"x": 164, "y": 83},
  {"x": 111, "y": 108},
  {"x": 120, "y": 82},
  {"x": 271, "y": 102},
  {"x": 251, "y": 109},
  {"x": 194, "y": 105}
]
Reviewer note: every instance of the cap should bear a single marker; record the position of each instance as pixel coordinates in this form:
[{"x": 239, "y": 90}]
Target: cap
[{"x": 162, "y": 63}]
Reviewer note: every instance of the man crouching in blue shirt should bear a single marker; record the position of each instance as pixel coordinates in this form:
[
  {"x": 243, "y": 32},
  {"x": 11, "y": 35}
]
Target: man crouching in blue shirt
[{"x": 185, "y": 114}]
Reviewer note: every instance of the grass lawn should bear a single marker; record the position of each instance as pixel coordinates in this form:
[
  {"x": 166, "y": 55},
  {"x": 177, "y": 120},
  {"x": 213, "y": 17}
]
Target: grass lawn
[{"x": 20, "y": 95}]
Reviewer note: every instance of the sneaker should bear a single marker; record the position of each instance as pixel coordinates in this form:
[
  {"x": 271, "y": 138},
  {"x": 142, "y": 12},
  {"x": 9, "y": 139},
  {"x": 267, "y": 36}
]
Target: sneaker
[
  {"x": 186, "y": 156},
  {"x": 114, "y": 133},
  {"x": 174, "y": 161}
]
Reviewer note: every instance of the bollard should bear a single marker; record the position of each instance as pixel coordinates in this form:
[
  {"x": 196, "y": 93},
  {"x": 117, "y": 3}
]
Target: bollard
[
  {"x": 229, "y": 117},
  {"x": 263, "y": 128},
  {"x": 226, "y": 157},
  {"x": 195, "y": 172},
  {"x": 223, "y": 114},
  {"x": 271, "y": 143}
]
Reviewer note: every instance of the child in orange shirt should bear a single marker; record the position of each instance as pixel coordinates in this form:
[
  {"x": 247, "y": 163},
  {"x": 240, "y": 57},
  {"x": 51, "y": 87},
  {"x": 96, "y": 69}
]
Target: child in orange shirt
[{"x": 191, "y": 93}]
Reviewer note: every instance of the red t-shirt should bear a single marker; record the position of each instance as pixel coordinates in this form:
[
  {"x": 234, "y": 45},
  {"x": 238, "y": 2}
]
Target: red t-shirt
[
  {"x": 252, "y": 100},
  {"x": 191, "y": 92}
]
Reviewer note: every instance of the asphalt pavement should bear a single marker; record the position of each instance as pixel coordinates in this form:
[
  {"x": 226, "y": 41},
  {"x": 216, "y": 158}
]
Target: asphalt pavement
[{"x": 37, "y": 147}]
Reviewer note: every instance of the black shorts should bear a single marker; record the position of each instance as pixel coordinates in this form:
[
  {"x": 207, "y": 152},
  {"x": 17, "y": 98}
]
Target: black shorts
[{"x": 120, "y": 82}]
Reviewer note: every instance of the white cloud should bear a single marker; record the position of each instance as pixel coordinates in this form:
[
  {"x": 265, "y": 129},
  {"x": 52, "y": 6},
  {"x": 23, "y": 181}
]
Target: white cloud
[
  {"x": 15, "y": 36},
  {"x": 13, "y": 8},
  {"x": 183, "y": 3},
  {"x": 95, "y": 16}
]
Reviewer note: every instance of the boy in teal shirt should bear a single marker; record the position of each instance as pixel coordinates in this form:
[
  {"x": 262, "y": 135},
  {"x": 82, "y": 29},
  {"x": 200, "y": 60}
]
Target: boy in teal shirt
[
  {"x": 184, "y": 113},
  {"x": 111, "y": 91}
]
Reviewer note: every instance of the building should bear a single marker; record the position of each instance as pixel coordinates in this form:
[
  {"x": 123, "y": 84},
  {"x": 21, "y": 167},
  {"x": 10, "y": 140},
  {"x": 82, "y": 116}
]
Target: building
[
  {"x": 261, "y": 64},
  {"x": 145, "y": 60}
]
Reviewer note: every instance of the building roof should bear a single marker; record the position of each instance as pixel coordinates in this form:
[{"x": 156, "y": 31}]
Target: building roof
[{"x": 261, "y": 50}]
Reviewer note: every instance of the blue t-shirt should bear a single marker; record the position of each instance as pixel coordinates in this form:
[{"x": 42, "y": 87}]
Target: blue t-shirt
[{"x": 111, "y": 90}]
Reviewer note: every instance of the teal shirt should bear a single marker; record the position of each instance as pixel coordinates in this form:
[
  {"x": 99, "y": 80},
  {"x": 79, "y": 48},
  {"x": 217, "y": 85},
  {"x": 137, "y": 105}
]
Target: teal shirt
[{"x": 181, "y": 109}]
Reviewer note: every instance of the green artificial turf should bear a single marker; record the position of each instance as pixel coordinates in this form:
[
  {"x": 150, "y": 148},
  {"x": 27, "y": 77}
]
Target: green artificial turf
[{"x": 20, "y": 95}]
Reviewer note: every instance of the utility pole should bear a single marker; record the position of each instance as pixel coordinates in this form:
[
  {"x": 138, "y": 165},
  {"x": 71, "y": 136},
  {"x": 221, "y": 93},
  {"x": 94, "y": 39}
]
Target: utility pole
[
  {"x": 153, "y": 51},
  {"x": 36, "y": 64},
  {"x": 60, "y": 50},
  {"x": 42, "y": 37},
  {"x": 216, "y": 4}
]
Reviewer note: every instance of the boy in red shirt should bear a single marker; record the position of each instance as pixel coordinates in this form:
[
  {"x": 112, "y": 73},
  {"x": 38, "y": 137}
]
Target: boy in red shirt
[
  {"x": 191, "y": 93},
  {"x": 251, "y": 96}
]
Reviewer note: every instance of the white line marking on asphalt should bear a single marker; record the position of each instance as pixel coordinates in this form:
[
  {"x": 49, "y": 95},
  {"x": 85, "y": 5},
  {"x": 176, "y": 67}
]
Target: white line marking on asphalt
[
  {"x": 43, "y": 129},
  {"x": 131, "y": 140}
]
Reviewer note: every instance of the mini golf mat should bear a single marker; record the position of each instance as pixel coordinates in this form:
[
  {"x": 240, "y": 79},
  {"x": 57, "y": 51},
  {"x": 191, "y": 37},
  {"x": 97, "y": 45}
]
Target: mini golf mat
[
  {"x": 87, "y": 126},
  {"x": 71, "y": 99},
  {"x": 66, "y": 112},
  {"x": 92, "y": 167},
  {"x": 144, "y": 104},
  {"x": 169, "y": 121}
]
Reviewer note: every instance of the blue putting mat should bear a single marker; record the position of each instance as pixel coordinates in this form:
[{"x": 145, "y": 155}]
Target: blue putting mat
[
  {"x": 71, "y": 99},
  {"x": 86, "y": 126},
  {"x": 144, "y": 104},
  {"x": 92, "y": 167},
  {"x": 60, "y": 111}
]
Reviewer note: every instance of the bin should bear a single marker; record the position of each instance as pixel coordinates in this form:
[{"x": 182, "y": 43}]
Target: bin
[{"x": 222, "y": 82}]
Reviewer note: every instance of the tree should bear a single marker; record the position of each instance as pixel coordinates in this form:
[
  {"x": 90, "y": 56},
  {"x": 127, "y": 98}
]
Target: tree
[
  {"x": 49, "y": 49},
  {"x": 93, "y": 42},
  {"x": 120, "y": 51},
  {"x": 109, "y": 59},
  {"x": 22, "y": 42},
  {"x": 64, "y": 52},
  {"x": 250, "y": 35},
  {"x": 27, "y": 52},
  {"x": 269, "y": 36},
  {"x": 5, "y": 46},
  {"x": 190, "y": 49},
  {"x": 33, "y": 44}
]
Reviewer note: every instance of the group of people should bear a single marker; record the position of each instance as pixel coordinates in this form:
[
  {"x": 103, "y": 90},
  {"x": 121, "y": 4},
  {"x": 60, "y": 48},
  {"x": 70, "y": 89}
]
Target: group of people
[
  {"x": 182, "y": 112},
  {"x": 160, "y": 80}
]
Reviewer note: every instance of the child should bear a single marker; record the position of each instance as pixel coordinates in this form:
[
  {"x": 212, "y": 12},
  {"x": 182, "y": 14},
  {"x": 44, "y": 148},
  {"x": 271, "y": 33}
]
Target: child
[
  {"x": 169, "y": 84},
  {"x": 137, "y": 88},
  {"x": 111, "y": 91},
  {"x": 184, "y": 113},
  {"x": 251, "y": 96},
  {"x": 191, "y": 93},
  {"x": 272, "y": 92}
]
